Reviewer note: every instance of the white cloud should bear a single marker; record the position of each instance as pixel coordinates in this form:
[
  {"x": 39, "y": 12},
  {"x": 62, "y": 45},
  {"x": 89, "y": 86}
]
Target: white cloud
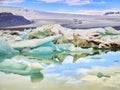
[
  {"x": 50, "y": 1},
  {"x": 77, "y": 2},
  {"x": 69, "y": 2},
  {"x": 74, "y": 2},
  {"x": 6, "y": 2}
]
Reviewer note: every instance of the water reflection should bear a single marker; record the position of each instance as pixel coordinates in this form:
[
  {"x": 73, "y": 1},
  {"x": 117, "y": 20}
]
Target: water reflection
[
  {"x": 76, "y": 69},
  {"x": 86, "y": 70},
  {"x": 36, "y": 76},
  {"x": 59, "y": 58}
]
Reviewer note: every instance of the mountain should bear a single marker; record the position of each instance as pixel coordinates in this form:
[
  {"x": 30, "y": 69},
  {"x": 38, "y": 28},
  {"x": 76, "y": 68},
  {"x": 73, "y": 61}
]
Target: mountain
[
  {"x": 112, "y": 13},
  {"x": 74, "y": 21},
  {"x": 34, "y": 14},
  {"x": 8, "y": 20}
]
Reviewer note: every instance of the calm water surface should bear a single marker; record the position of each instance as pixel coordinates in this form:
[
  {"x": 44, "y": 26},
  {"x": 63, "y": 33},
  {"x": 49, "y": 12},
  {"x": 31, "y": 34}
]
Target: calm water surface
[{"x": 66, "y": 72}]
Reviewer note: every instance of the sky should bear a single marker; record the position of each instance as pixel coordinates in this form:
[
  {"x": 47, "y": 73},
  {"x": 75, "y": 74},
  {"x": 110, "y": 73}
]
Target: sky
[{"x": 65, "y": 6}]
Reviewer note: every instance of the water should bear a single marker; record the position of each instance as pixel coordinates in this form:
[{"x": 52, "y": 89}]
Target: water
[{"x": 64, "y": 72}]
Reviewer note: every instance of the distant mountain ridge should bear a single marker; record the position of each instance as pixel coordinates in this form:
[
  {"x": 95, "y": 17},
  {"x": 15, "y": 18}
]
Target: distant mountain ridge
[
  {"x": 8, "y": 19},
  {"x": 34, "y": 14},
  {"x": 73, "y": 21},
  {"x": 112, "y": 13}
]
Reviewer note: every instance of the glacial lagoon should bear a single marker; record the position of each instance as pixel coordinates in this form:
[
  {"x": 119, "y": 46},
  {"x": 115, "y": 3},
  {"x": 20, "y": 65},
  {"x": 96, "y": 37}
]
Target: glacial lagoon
[
  {"x": 96, "y": 71},
  {"x": 52, "y": 57}
]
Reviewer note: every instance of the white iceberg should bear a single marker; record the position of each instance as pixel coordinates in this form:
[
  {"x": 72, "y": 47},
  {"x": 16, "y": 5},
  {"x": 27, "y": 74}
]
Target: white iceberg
[
  {"x": 33, "y": 43},
  {"x": 21, "y": 67}
]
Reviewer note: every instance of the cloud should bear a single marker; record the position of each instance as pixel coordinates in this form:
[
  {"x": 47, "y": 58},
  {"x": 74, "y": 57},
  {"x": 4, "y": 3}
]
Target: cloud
[
  {"x": 73, "y": 2},
  {"x": 69, "y": 2},
  {"x": 77, "y": 2},
  {"x": 50, "y": 1},
  {"x": 6, "y": 2}
]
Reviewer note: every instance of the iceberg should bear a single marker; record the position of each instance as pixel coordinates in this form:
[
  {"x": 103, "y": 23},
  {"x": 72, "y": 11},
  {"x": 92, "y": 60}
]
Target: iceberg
[
  {"x": 22, "y": 68},
  {"x": 5, "y": 48},
  {"x": 11, "y": 64},
  {"x": 81, "y": 50},
  {"x": 111, "y": 31},
  {"x": 65, "y": 47},
  {"x": 38, "y": 34},
  {"x": 70, "y": 48},
  {"x": 48, "y": 44},
  {"x": 3, "y": 57},
  {"x": 40, "y": 51},
  {"x": 19, "y": 67},
  {"x": 33, "y": 43},
  {"x": 50, "y": 48}
]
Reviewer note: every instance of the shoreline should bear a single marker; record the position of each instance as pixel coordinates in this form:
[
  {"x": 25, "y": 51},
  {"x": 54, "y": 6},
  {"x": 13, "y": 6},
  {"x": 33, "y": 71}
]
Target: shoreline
[
  {"x": 22, "y": 28},
  {"x": 17, "y": 28}
]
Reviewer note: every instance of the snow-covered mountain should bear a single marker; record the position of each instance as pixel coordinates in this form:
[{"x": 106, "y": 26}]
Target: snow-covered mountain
[
  {"x": 68, "y": 20},
  {"x": 33, "y": 14},
  {"x": 29, "y": 14}
]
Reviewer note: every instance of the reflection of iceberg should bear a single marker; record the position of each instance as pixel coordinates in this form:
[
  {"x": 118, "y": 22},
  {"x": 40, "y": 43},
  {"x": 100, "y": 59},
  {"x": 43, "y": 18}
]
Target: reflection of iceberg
[
  {"x": 85, "y": 67},
  {"x": 47, "y": 59},
  {"x": 36, "y": 75}
]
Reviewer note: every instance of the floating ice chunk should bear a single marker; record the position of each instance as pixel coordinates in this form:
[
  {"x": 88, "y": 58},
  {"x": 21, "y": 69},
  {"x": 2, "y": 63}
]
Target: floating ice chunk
[
  {"x": 33, "y": 43},
  {"x": 112, "y": 31},
  {"x": 5, "y": 49},
  {"x": 11, "y": 64},
  {"x": 48, "y": 44},
  {"x": 19, "y": 67},
  {"x": 65, "y": 46},
  {"x": 72, "y": 48},
  {"x": 81, "y": 50},
  {"x": 40, "y": 51}
]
